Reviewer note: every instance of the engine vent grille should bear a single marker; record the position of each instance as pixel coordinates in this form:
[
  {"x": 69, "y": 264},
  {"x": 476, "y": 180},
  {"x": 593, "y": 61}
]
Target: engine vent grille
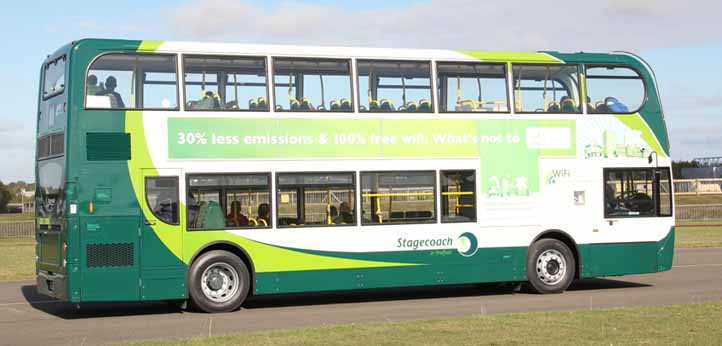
[{"x": 110, "y": 255}]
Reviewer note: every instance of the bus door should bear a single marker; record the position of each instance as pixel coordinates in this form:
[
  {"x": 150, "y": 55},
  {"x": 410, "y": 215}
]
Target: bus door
[
  {"x": 162, "y": 271},
  {"x": 630, "y": 203}
]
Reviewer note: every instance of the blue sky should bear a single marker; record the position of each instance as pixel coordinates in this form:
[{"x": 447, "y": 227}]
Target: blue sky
[{"x": 683, "y": 44}]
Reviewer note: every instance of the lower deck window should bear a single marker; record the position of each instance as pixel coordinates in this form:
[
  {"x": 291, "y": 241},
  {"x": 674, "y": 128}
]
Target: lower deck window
[
  {"x": 316, "y": 199},
  {"x": 458, "y": 197},
  {"x": 398, "y": 197},
  {"x": 161, "y": 194},
  {"x": 218, "y": 201}
]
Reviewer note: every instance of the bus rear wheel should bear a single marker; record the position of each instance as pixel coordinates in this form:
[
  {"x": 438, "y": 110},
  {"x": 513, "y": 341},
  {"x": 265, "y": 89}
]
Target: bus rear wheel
[
  {"x": 218, "y": 282},
  {"x": 550, "y": 267}
]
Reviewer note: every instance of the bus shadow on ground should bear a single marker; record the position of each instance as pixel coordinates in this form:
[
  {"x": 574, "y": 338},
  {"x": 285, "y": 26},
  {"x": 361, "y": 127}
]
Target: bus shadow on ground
[
  {"x": 71, "y": 311},
  {"x": 118, "y": 309},
  {"x": 421, "y": 292}
]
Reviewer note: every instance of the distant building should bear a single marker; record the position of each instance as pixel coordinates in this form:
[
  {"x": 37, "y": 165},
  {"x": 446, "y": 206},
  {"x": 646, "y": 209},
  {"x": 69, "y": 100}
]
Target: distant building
[
  {"x": 28, "y": 201},
  {"x": 709, "y": 168}
]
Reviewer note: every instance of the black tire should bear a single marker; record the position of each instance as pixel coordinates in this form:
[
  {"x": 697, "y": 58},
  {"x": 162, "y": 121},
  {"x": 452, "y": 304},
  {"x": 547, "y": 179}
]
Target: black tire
[
  {"x": 220, "y": 275},
  {"x": 557, "y": 274}
]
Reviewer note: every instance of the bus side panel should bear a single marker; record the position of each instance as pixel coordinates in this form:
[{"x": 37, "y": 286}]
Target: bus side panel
[
  {"x": 619, "y": 259},
  {"x": 110, "y": 258},
  {"x": 487, "y": 265},
  {"x": 615, "y": 259}
]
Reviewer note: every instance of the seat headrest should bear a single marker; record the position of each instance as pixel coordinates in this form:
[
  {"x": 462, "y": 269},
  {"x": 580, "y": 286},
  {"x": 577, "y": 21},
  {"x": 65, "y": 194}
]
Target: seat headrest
[
  {"x": 306, "y": 103},
  {"x": 374, "y": 105},
  {"x": 615, "y": 106},
  {"x": 425, "y": 104},
  {"x": 346, "y": 104},
  {"x": 294, "y": 104},
  {"x": 412, "y": 106},
  {"x": 386, "y": 104}
]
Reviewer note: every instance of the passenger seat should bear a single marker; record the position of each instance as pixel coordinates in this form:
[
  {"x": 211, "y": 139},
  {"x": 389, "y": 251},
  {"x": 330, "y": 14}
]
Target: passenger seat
[
  {"x": 387, "y": 105},
  {"x": 346, "y": 104},
  {"x": 425, "y": 105},
  {"x": 306, "y": 104}
]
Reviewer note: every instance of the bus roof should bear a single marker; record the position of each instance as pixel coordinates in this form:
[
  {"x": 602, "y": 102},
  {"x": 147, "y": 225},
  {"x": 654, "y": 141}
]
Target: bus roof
[{"x": 363, "y": 52}]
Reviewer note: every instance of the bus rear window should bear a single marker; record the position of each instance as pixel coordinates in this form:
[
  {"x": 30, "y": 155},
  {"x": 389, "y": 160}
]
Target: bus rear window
[
  {"x": 614, "y": 89},
  {"x": 54, "y": 82}
]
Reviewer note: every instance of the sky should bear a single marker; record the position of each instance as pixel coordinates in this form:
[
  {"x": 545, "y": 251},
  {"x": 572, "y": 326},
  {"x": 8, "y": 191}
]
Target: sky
[{"x": 682, "y": 41}]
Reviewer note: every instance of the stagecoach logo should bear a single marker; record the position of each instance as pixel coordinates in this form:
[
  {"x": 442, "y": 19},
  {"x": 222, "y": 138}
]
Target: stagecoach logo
[
  {"x": 554, "y": 175},
  {"x": 467, "y": 244}
]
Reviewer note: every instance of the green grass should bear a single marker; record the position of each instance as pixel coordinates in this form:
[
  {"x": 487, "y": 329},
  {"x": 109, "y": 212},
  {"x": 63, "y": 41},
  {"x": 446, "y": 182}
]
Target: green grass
[
  {"x": 693, "y": 324},
  {"x": 695, "y": 234},
  {"x": 695, "y": 199},
  {"x": 16, "y": 216},
  {"x": 17, "y": 258}
]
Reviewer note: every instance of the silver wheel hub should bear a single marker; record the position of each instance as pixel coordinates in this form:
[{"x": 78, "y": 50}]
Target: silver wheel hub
[
  {"x": 219, "y": 282},
  {"x": 551, "y": 267}
]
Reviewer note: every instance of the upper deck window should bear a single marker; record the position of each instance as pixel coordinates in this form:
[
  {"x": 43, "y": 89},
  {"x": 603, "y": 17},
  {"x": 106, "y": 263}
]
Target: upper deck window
[
  {"x": 394, "y": 86},
  {"x": 546, "y": 88},
  {"x": 225, "y": 83},
  {"x": 614, "y": 89},
  {"x": 472, "y": 87},
  {"x": 132, "y": 81},
  {"x": 320, "y": 85},
  {"x": 54, "y": 82}
]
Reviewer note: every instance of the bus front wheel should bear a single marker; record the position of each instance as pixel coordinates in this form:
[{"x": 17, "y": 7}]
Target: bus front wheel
[
  {"x": 550, "y": 266},
  {"x": 218, "y": 282}
]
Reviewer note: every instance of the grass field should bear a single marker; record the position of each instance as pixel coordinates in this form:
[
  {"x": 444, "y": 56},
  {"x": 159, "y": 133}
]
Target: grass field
[
  {"x": 693, "y": 324},
  {"x": 17, "y": 259},
  {"x": 692, "y": 234},
  {"x": 16, "y": 216},
  {"x": 695, "y": 199}
]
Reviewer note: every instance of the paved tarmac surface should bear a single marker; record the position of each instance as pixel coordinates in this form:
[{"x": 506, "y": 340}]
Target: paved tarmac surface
[{"x": 30, "y": 319}]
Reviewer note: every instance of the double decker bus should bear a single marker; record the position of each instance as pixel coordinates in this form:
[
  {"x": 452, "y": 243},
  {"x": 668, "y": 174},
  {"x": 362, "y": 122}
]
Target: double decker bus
[{"x": 210, "y": 172}]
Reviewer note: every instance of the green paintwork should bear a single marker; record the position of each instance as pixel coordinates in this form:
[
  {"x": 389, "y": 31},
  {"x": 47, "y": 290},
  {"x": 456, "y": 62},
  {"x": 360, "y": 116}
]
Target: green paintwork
[
  {"x": 446, "y": 267},
  {"x": 665, "y": 251},
  {"x": 515, "y": 57},
  {"x": 627, "y": 258},
  {"x": 651, "y": 112},
  {"x": 163, "y": 252},
  {"x": 149, "y": 46},
  {"x": 635, "y": 122}
]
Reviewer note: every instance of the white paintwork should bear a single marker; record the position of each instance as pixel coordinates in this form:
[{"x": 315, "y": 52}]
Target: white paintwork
[{"x": 502, "y": 221}]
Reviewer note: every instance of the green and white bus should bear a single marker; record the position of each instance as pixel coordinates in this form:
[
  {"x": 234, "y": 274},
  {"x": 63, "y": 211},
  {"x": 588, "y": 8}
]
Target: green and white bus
[{"x": 210, "y": 172}]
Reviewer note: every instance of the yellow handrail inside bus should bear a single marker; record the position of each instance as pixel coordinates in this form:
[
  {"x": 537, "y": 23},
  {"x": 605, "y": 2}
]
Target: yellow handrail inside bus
[
  {"x": 518, "y": 92},
  {"x": 329, "y": 220},
  {"x": 546, "y": 77},
  {"x": 378, "y": 210},
  {"x": 459, "y": 193},
  {"x": 397, "y": 194}
]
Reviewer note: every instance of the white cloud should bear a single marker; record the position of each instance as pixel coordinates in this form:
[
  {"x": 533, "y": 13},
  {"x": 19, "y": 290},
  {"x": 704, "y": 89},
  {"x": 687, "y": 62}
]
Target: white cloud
[{"x": 510, "y": 25}]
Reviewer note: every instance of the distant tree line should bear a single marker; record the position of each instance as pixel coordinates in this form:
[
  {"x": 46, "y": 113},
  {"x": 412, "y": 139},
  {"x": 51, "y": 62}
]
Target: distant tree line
[{"x": 5, "y": 197}]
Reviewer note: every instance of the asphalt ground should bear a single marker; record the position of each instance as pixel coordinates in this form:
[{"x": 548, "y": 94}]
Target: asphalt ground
[{"x": 27, "y": 318}]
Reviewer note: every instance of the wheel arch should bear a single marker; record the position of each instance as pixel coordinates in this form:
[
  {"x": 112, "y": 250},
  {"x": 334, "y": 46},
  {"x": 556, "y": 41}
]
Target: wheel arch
[
  {"x": 232, "y": 248},
  {"x": 568, "y": 240}
]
